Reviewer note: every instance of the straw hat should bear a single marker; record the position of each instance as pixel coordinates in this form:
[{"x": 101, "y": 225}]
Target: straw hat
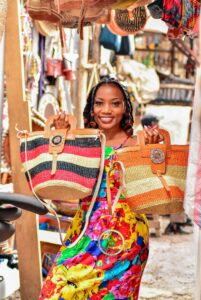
[
  {"x": 3, "y": 12},
  {"x": 46, "y": 28}
]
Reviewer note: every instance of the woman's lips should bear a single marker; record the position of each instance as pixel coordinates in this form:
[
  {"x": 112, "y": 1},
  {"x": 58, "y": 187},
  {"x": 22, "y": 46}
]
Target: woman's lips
[{"x": 106, "y": 120}]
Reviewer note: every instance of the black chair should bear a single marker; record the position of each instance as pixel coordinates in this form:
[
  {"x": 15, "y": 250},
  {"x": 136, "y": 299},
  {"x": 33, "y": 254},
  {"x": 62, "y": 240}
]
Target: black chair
[{"x": 8, "y": 214}]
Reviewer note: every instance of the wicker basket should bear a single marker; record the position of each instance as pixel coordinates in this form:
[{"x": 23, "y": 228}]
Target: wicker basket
[{"x": 124, "y": 22}]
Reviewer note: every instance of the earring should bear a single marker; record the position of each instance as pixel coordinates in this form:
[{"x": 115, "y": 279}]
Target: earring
[{"x": 92, "y": 123}]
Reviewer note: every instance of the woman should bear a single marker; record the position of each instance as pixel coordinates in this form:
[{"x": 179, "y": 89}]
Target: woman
[{"x": 108, "y": 262}]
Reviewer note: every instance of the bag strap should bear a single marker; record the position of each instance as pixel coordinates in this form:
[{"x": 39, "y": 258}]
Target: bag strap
[
  {"x": 165, "y": 134},
  {"x": 95, "y": 194},
  {"x": 120, "y": 166},
  {"x": 50, "y": 123}
]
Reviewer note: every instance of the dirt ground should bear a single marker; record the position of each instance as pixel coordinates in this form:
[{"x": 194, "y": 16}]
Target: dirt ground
[{"x": 170, "y": 271}]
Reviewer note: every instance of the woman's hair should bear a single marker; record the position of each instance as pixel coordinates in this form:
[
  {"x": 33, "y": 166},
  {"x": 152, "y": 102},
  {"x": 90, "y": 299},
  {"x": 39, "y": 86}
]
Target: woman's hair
[{"x": 127, "y": 119}]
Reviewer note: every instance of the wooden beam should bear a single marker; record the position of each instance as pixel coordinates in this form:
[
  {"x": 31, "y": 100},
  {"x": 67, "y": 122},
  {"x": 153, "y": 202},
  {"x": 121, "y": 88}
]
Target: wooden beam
[{"x": 18, "y": 111}]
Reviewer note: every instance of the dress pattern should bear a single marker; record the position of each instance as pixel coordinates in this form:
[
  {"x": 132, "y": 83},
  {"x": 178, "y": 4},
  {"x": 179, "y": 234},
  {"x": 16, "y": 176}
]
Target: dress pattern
[{"x": 84, "y": 272}]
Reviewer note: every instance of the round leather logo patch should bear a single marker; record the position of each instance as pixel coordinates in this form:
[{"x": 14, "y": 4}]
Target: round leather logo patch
[
  {"x": 157, "y": 156},
  {"x": 56, "y": 140}
]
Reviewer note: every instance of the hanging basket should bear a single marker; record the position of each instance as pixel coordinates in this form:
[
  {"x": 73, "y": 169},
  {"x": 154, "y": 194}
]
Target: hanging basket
[{"x": 124, "y": 22}]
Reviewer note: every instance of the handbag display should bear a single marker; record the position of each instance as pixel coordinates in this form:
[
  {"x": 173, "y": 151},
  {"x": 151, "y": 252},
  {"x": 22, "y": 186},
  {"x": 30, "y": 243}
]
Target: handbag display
[
  {"x": 154, "y": 175},
  {"x": 62, "y": 164}
]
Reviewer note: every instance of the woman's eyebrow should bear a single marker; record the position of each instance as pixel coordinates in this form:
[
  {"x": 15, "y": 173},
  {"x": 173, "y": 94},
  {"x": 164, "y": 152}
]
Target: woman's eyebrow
[{"x": 110, "y": 99}]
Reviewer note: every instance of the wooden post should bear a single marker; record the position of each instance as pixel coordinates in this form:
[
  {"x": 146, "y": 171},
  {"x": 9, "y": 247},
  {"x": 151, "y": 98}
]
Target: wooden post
[
  {"x": 18, "y": 110},
  {"x": 96, "y": 44},
  {"x": 82, "y": 77}
]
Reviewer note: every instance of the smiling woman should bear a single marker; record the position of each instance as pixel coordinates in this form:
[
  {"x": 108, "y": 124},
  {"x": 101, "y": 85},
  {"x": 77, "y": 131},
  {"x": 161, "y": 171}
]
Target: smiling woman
[
  {"x": 108, "y": 261},
  {"x": 109, "y": 108}
]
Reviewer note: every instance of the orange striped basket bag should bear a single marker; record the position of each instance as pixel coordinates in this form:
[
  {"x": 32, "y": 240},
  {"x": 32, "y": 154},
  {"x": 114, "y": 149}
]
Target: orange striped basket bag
[{"x": 155, "y": 175}]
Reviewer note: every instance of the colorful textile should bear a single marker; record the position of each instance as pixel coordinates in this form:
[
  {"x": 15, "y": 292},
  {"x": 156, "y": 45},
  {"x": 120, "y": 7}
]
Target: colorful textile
[
  {"x": 83, "y": 272},
  {"x": 172, "y": 12},
  {"x": 180, "y": 16}
]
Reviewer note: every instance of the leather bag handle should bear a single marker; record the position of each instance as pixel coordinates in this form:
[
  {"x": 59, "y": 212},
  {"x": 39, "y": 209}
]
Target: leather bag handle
[
  {"x": 163, "y": 132},
  {"x": 50, "y": 123}
]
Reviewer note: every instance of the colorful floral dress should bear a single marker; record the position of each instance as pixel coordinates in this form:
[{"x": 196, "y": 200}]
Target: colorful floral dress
[{"x": 108, "y": 261}]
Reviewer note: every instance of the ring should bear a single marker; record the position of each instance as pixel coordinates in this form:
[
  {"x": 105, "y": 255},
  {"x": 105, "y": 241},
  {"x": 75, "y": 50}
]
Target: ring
[{"x": 108, "y": 241}]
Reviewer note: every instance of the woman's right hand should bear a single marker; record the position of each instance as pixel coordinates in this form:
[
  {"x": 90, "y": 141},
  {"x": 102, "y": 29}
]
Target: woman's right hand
[
  {"x": 61, "y": 120},
  {"x": 152, "y": 135}
]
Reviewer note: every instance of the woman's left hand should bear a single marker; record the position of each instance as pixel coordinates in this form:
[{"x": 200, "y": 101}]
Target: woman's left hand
[{"x": 152, "y": 135}]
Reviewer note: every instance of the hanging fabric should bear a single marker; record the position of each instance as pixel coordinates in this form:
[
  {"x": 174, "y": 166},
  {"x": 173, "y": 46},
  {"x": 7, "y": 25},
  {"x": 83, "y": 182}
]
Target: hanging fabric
[
  {"x": 180, "y": 16},
  {"x": 110, "y": 40},
  {"x": 125, "y": 48}
]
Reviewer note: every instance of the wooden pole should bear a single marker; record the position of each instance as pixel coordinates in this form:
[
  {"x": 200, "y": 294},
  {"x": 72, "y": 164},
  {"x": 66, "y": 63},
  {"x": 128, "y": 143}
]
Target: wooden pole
[
  {"x": 96, "y": 44},
  {"x": 82, "y": 77},
  {"x": 18, "y": 111}
]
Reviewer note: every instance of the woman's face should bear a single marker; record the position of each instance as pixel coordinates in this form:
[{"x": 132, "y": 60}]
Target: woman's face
[{"x": 109, "y": 106}]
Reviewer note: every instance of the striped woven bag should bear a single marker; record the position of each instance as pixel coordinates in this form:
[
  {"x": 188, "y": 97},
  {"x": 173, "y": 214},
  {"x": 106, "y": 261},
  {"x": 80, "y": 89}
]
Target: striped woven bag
[
  {"x": 155, "y": 175},
  {"x": 62, "y": 164}
]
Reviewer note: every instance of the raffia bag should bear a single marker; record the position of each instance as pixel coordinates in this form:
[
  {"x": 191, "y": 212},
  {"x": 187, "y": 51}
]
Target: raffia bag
[
  {"x": 62, "y": 164},
  {"x": 155, "y": 175},
  {"x": 124, "y": 22}
]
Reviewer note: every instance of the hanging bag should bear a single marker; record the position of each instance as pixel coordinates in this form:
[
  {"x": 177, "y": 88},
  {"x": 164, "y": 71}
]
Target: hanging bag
[
  {"x": 62, "y": 164},
  {"x": 43, "y": 10},
  {"x": 124, "y": 22},
  {"x": 110, "y": 40},
  {"x": 155, "y": 175},
  {"x": 54, "y": 67},
  {"x": 156, "y": 9}
]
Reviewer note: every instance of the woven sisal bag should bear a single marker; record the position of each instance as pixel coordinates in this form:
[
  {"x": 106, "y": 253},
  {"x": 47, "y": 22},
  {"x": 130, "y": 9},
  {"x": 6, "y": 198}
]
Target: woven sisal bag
[
  {"x": 62, "y": 164},
  {"x": 155, "y": 175}
]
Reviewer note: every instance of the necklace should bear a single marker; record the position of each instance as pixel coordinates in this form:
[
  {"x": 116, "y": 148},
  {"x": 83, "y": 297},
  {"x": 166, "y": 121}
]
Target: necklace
[{"x": 121, "y": 145}]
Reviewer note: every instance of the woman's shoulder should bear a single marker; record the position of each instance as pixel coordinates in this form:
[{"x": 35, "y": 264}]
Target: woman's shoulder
[{"x": 132, "y": 141}]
